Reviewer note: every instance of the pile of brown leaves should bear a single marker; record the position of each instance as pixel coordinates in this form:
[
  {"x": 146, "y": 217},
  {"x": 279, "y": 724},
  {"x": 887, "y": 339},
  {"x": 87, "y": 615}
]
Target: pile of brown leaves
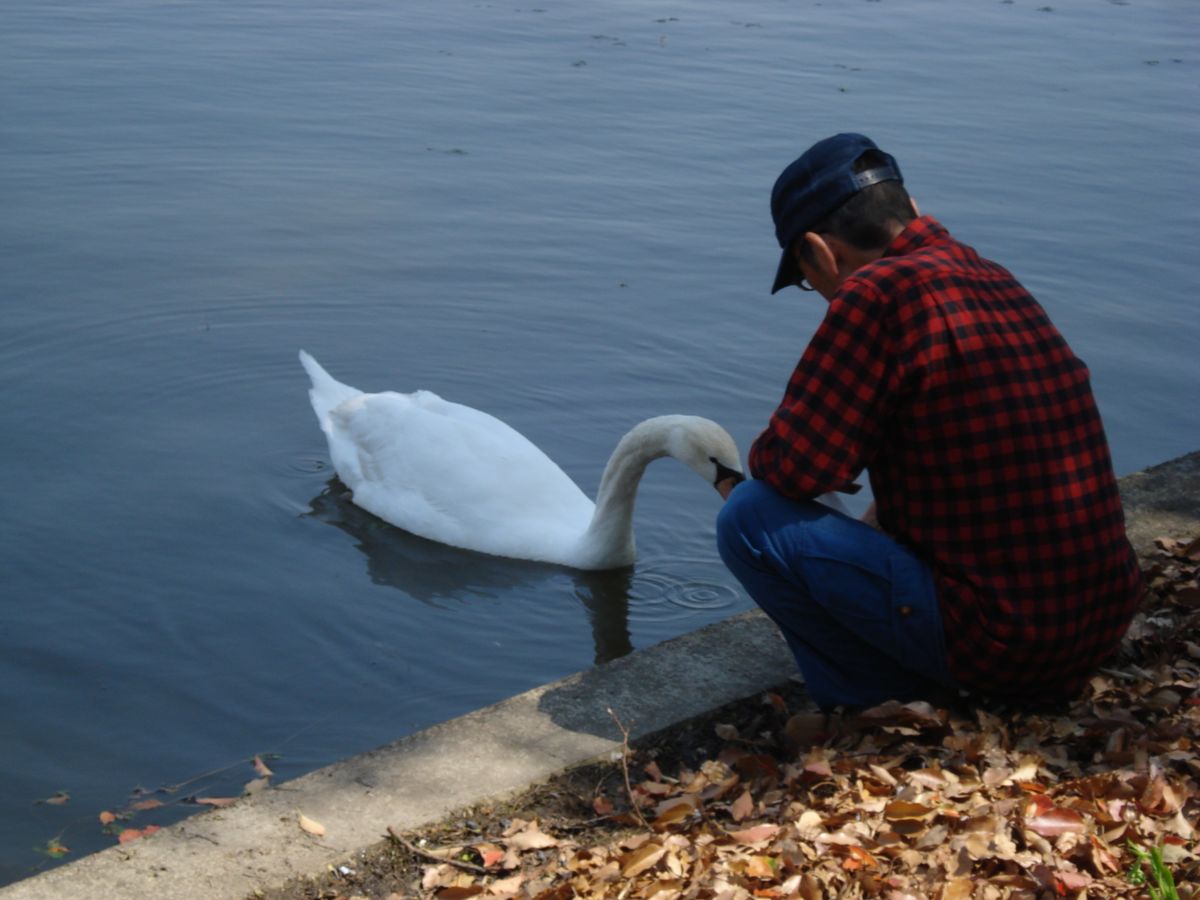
[{"x": 901, "y": 801}]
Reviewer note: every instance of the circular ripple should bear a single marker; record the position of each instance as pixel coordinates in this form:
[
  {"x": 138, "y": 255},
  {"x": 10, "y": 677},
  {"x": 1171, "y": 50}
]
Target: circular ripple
[
  {"x": 704, "y": 595},
  {"x": 654, "y": 588},
  {"x": 294, "y": 479},
  {"x": 299, "y": 465},
  {"x": 677, "y": 587}
]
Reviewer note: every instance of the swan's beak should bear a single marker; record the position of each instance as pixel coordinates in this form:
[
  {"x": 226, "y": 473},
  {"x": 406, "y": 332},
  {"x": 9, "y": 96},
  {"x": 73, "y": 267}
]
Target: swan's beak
[
  {"x": 726, "y": 474},
  {"x": 723, "y": 472}
]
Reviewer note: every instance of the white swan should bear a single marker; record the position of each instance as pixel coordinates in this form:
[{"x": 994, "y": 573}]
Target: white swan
[{"x": 459, "y": 476}]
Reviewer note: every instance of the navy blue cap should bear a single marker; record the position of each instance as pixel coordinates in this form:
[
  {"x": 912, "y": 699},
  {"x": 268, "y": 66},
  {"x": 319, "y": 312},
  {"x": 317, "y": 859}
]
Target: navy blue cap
[{"x": 815, "y": 185}]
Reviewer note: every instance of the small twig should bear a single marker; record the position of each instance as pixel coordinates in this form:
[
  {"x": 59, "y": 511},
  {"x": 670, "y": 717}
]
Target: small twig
[
  {"x": 179, "y": 786},
  {"x": 582, "y": 825},
  {"x": 202, "y": 837},
  {"x": 449, "y": 860},
  {"x": 625, "y": 752}
]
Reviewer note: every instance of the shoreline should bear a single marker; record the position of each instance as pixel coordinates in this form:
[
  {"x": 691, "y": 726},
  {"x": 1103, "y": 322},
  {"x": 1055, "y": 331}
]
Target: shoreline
[{"x": 258, "y": 842}]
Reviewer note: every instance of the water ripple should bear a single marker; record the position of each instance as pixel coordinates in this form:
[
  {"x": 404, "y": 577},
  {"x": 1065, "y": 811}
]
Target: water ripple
[
  {"x": 292, "y": 463},
  {"x": 676, "y": 587}
]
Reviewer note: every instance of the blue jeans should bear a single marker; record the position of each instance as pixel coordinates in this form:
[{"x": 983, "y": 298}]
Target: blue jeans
[{"x": 858, "y": 610}]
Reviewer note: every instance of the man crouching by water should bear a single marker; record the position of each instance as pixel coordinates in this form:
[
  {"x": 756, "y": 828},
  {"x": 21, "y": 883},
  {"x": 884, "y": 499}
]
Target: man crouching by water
[{"x": 999, "y": 563}]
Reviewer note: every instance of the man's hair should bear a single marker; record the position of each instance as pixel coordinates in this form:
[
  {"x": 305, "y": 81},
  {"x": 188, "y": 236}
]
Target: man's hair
[{"x": 864, "y": 220}]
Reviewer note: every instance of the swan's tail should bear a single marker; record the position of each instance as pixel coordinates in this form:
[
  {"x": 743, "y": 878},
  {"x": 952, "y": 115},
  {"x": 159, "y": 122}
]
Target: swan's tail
[{"x": 327, "y": 392}]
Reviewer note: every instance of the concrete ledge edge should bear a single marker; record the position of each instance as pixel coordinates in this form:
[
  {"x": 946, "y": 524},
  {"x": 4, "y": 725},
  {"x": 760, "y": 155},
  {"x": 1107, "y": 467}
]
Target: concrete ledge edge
[{"x": 258, "y": 843}]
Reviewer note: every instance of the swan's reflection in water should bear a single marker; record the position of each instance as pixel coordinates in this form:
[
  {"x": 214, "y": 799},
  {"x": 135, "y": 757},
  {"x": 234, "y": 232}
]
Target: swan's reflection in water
[{"x": 435, "y": 573}]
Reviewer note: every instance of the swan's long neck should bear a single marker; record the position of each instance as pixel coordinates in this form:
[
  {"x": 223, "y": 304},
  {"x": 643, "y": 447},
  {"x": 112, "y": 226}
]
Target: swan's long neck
[{"x": 611, "y": 528}]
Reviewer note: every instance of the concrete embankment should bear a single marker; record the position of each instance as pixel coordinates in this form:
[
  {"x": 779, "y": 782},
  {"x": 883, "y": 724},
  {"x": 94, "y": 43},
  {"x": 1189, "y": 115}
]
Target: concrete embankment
[{"x": 228, "y": 853}]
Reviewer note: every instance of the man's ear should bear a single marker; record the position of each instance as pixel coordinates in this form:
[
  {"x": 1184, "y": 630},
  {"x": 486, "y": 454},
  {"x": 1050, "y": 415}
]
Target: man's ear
[{"x": 823, "y": 254}]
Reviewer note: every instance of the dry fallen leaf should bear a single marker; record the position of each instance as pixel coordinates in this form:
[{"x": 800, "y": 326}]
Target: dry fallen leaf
[
  {"x": 863, "y": 856},
  {"x": 506, "y": 887},
  {"x": 458, "y": 892},
  {"x": 311, "y": 826},
  {"x": 742, "y": 806},
  {"x": 490, "y": 854},
  {"x": 253, "y": 787},
  {"x": 762, "y": 867},
  {"x": 54, "y": 848},
  {"x": 643, "y": 858},
  {"x": 1055, "y": 821},
  {"x": 133, "y": 834},
  {"x": 755, "y": 834},
  {"x": 441, "y": 875},
  {"x": 673, "y": 811},
  {"x": 531, "y": 837},
  {"x": 1073, "y": 880},
  {"x": 216, "y": 801},
  {"x": 903, "y": 809}
]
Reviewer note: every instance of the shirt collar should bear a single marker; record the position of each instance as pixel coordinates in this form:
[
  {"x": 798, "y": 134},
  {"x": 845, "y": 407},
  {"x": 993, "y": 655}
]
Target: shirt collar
[{"x": 920, "y": 232}]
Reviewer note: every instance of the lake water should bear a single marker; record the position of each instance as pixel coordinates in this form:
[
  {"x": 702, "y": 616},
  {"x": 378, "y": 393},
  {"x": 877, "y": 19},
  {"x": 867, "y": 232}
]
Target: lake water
[{"x": 557, "y": 214}]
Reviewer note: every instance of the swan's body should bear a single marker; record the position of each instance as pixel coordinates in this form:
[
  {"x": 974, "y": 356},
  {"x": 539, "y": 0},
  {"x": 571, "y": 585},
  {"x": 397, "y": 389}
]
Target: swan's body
[{"x": 459, "y": 476}]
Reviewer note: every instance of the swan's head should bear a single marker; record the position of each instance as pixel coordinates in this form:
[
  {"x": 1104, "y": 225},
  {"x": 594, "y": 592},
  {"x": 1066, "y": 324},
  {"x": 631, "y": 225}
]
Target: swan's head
[{"x": 704, "y": 447}]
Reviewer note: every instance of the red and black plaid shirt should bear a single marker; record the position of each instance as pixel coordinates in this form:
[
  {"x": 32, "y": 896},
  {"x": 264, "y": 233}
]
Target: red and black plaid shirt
[{"x": 936, "y": 371}]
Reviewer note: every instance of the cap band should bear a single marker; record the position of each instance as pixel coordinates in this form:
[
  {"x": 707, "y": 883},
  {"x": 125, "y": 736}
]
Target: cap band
[{"x": 874, "y": 176}]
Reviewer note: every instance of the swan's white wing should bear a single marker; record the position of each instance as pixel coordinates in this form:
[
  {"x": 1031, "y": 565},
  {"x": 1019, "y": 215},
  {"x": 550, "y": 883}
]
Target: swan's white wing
[{"x": 456, "y": 475}]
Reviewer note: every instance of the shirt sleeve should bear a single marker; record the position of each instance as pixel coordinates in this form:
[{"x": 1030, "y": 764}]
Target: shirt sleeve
[{"x": 837, "y": 403}]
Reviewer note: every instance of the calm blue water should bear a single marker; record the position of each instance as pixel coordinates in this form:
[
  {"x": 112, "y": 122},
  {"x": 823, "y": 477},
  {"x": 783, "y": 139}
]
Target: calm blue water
[{"x": 557, "y": 214}]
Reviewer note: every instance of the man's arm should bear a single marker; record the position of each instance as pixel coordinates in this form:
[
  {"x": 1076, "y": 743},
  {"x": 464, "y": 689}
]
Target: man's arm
[{"x": 838, "y": 400}]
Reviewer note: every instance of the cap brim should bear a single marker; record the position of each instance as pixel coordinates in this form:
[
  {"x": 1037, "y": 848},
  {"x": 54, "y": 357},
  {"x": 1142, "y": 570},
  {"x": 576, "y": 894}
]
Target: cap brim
[{"x": 788, "y": 272}]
